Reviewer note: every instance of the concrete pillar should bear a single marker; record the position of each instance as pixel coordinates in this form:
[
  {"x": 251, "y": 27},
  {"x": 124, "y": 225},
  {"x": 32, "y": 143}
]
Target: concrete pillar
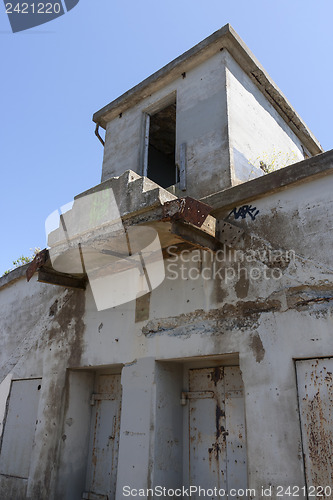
[{"x": 136, "y": 442}]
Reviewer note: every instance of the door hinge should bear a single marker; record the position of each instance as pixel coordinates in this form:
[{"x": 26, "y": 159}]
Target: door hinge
[
  {"x": 182, "y": 167},
  {"x": 102, "y": 397},
  {"x": 195, "y": 395},
  {"x": 88, "y": 495}
]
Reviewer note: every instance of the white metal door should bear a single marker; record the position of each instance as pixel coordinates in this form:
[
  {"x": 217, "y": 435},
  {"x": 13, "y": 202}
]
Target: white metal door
[
  {"x": 19, "y": 430},
  {"x": 104, "y": 439},
  {"x": 217, "y": 429},
  {"x": 315, "y": 393}
]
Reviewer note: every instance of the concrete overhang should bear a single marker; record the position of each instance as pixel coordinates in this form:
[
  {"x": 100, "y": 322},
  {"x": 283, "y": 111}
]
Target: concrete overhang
[
  {"x": 225, "y": 38},
  {"x": 183, "y": 222},
  {"x": 103, "y": 228},
  {"x": 284, "y": 178}
]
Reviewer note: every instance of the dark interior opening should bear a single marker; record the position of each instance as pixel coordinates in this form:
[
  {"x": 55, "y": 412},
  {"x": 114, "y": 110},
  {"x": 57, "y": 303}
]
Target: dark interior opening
[{"x": 161, "y": 150}]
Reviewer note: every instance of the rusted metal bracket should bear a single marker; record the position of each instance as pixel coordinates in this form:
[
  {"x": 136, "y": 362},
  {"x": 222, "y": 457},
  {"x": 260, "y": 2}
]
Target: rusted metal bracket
[
  {"x": 191, "y": 221},
  {"x": 208, "y": 239},
  {"x": 105, "y": 396},
  {"x": 48, "y": 275},
  {"x": 38, "y": 262},
  {"x": 88, "y": 495},
  {"x": 187, "y": 210},
  {"x": 196, "y": 237}
]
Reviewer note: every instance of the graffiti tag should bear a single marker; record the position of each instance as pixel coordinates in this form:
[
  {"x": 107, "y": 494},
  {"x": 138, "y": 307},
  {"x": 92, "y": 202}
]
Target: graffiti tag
[{"x": 243, "y": 211}]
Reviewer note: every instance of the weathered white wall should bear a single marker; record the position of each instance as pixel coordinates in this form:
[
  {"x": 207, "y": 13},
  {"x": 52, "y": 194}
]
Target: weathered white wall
[
  {"x": 298, "y": 218},
  {"x": 266, "y": 322},
  {"x": 227, "y": 123},
  {"x": 257, "y": 132},
  {"x": 43, "y": 340},
  {"x": 21, "y": 336},
  {"x": 75, "y": 435},
  {"x": 168, "y": 442},
  {"x": 201, "y": 122},
  {"x": 191, "y": 318}
]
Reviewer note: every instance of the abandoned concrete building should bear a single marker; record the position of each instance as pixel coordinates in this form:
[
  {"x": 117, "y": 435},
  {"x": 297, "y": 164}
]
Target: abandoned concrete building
[{"x": 202, "y": 366}]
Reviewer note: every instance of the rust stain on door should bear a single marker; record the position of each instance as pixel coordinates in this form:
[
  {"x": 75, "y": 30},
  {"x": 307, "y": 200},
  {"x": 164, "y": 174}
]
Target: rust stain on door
[
  {"x": 217, "y": 454},
  {"x": 315, "y": 393},
  {"x": 104, "y": 443}
]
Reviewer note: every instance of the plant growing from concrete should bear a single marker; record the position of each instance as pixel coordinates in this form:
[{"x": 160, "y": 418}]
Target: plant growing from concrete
[
  {"x": 273, "y": 160},
  {"x": 22, "y": 260}
]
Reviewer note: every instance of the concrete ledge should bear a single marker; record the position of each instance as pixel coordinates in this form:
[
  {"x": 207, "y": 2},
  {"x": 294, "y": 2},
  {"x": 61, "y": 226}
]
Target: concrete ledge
[
  {"x": 304, "y": 171},
  {"x": 14, "y": 275}
]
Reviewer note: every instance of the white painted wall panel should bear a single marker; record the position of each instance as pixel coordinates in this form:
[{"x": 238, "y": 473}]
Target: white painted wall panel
[{"x": 256, "y": 129}]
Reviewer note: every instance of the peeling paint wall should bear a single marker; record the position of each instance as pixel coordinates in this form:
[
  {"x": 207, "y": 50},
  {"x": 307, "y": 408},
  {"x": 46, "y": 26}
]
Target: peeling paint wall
[
  {"x": 43, "y": 342},
  {"x": 225, "y": 328},
  {"x": 298, "y": 218},
  {"x": 193, "y": 320}
]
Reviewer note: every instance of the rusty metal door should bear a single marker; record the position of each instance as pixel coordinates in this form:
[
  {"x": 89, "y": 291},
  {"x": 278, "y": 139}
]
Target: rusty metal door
[
  {"x": 217, "y": 455},
  {"x": 315, "y": 394},
  {"x": 104, "y": 439}
]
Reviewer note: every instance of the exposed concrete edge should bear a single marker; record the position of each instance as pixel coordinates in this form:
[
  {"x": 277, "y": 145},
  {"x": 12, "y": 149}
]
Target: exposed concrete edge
[
  {"x": 152, "y": 195},
  {"x": 226, "y": 38},
  {"x": 13, "y": 276},
  {"x": 304, "y": 171}
]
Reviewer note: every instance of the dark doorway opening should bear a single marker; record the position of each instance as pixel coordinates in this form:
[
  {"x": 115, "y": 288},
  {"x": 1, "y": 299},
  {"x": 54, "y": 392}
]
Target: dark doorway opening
[{"x": 161, "y": 147}]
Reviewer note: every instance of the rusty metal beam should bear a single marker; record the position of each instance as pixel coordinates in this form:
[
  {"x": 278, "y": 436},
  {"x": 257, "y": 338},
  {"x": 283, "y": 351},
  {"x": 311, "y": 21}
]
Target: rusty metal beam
[
  {"x": 195, "y": 236},
  {"x": 53, "y": 278}
]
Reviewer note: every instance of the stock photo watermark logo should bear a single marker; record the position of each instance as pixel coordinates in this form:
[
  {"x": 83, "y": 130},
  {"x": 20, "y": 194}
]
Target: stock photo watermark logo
[
  {"x": 88, "y": 237},
  {"x": 25, "y": 15},
  {"x": 227, "y": 265}
]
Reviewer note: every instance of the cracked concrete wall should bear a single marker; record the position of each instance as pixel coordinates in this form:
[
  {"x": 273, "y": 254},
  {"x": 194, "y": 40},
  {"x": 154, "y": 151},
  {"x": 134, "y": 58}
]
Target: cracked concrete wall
[
  {"x": 43, "y": 341},
  {"x": 20, "y": 336},
  {"x": 204, "y": 314},
  {"x": 269, "y": 321}
]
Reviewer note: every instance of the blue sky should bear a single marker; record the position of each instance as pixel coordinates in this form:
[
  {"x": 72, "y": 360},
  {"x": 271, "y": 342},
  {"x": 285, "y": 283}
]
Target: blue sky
[{"x": 56, "y": 76}]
